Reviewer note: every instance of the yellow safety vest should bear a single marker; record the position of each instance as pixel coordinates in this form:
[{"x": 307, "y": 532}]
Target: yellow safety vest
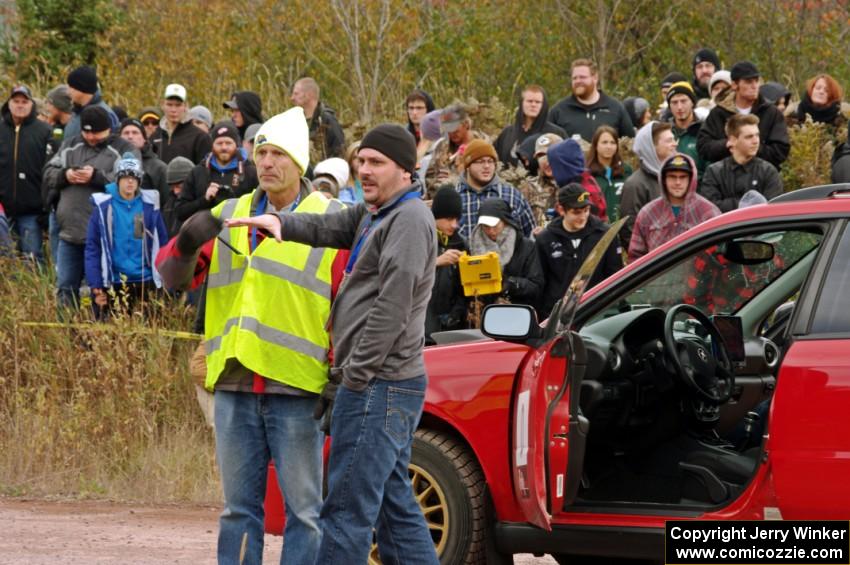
[{"x": 269, "y": 309}]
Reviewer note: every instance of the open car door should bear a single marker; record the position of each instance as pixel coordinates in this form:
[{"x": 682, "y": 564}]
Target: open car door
[{"x": 549, "y": 429}]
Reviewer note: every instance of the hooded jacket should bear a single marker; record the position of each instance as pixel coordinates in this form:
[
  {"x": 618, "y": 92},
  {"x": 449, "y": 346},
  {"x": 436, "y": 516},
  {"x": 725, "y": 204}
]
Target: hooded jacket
[
  {"x": 23, "y": 153},
  {"x": 251, "y": 108},
  {"x": 75, "y": 207},
  {"x": 642, "y": 186},
  {"x": 574, "y": 117},
  {"x": 429, "y": 107},
  {"x": 567, "y": 161},
  {"x": 775, "y": 144},
  {"x": 656, "y": 223},
  {"x": 187, "y": 140},
  {"x": 562, "y": 253},
  {"x": 513, "y": 135},
  {"x": 109, "y": 227}
]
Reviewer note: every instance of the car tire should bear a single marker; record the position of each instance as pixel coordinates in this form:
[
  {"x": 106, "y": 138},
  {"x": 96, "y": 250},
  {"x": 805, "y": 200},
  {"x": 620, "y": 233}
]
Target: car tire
[{"x": 448, "y": 480}]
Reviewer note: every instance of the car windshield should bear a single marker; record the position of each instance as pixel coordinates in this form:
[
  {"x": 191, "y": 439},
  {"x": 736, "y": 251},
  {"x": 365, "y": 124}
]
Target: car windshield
[{"x": 716, "y": 281}]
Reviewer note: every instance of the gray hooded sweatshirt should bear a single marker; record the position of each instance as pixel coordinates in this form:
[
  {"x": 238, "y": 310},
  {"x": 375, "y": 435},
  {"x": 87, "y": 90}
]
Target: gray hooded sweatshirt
[{"x": 642, "y": 186}]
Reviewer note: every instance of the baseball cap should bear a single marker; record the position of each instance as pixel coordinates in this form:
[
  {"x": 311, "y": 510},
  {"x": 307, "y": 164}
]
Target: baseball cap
[
  {"x": 175, "y": 91},
  {"x": 573, "y": 195},
  {"x": 452, "y": 117},
  {"x": 231, "y": 104},
  {"x": 544, "y": 142},
  {"x": 21, "y": 89},
  {"x": 677, "y": 162},
  {"x": 744, "y": 69}
]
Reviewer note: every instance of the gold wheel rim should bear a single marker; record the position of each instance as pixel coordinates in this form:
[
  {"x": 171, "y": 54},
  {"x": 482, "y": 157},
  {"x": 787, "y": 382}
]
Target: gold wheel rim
[{"x": 432, "y": 501}]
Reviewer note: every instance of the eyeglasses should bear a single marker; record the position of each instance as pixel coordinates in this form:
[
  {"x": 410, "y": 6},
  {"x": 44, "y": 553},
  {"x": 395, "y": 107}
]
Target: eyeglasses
[{"x": 150, "y": 123}]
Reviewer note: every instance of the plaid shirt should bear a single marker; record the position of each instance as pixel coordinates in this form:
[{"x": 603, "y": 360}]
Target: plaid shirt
[{"x": 471, "y": 199}]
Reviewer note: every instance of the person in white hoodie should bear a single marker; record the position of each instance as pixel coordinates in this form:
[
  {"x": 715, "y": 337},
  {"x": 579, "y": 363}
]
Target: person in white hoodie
[{"x": 654, "y": 142}]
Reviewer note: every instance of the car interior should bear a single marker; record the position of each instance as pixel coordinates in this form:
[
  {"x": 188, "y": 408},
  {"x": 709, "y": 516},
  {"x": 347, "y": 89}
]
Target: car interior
[{"x": 681, "y": 371}]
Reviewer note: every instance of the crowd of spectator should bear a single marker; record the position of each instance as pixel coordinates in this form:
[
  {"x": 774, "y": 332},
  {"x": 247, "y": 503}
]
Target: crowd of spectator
[{"x": 100, "y": 190}]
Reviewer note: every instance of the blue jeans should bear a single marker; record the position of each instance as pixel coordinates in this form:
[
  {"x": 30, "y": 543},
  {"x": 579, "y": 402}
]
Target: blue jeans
[
  {"x": 30, "y": 236},
  {"x": 250, "y": 428},
  {"x": 70, "y": 267},
  {"x": 368, "y": 482}
]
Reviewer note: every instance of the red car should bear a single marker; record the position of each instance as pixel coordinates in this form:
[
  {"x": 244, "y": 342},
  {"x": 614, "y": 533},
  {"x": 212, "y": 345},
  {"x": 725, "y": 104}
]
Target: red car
[{"x": 709, "y": 380}]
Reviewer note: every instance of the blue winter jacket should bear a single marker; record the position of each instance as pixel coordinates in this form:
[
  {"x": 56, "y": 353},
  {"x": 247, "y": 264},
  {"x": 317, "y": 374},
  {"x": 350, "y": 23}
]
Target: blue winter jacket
[{"x": 100, "y": 252}]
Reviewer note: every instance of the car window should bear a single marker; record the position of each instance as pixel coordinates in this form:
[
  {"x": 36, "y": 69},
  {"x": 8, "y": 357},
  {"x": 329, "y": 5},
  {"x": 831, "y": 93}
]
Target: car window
[
  {"x": 833, "y": 311},
  {"x": 709, "y": 280}
]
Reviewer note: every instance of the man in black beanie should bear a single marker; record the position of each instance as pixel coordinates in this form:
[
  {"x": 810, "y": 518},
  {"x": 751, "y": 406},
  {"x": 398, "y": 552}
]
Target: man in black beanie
[
  {"x": 379, "y": 330},
  {"x": 225, "y": 173},
  {"x": 447, "y": 307},
  {"x": 705, "y": 63},
  {"x": 84, "y": 91},
  {"x": 84, "y": 166}
]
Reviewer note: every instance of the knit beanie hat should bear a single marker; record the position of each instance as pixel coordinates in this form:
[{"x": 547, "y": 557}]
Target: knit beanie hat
[
  {"x": 430, "y": 125},
  {"x": 201, "y": 113},
  {"x": 129, "y": 166},
  {"x": 126, "y": 122},
  {"x": 289, "y": 132},
  {"x": 94, "y": 119},
  {"x": 720, "y": 76},
  {"x": 83, "y": 79},
  {"x": 681, "y": 88},
  {"x": 567, "y": 161},
  {"x": 447, "y": 203},
  {"x": 393, "y": 141},
  {"x": 476, "y": 149},
  {"x": 335, "y": 167},
  {"x": 225, "y": 129},
  {"x": 178, "y": 169},
  {"x": 706, "y": 54},
  {"x": 60, "y": 99}
]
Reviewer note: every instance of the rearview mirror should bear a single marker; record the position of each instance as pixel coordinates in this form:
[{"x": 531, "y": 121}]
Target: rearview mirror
[
  {"x": 748, "y": 252},
  {"x": 509, "y": 322}
]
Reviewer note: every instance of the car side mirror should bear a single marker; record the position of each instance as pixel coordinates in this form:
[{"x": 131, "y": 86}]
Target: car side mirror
[
  {"x": 748, "y": 252},
  {"x": 509, "y": 322}
]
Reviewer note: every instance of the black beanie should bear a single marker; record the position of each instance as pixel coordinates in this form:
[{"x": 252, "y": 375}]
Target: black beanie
[
  {"x": 447, "y": 203},
  {"x": 225, "y": 128},
  {"x": 135, "y": 123},
  {"x": 83, "y": 79},
  {"x": 706, "y": 54},
  {"x": 670, "y": 78},
  {"x": 393, "y": 141},
  {"x": 94, "y": 119}
]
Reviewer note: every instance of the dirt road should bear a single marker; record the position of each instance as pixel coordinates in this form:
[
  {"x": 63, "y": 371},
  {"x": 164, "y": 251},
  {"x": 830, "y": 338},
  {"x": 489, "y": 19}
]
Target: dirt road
[{"x": 39, "y": 532}]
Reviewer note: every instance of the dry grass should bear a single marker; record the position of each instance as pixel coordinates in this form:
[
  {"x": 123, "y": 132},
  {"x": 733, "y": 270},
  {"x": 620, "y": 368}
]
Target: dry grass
[{"x": 104, "y": 411}]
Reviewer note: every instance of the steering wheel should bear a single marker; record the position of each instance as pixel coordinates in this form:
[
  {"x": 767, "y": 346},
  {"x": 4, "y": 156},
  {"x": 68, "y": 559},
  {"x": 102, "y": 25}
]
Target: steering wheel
[{"x": 697, "y": 367}]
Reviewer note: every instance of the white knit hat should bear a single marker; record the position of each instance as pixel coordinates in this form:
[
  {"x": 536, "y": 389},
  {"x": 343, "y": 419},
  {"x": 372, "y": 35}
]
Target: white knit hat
[
  {"x": 335, "y": 167},
  {"x": 289, "y": 132}
]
